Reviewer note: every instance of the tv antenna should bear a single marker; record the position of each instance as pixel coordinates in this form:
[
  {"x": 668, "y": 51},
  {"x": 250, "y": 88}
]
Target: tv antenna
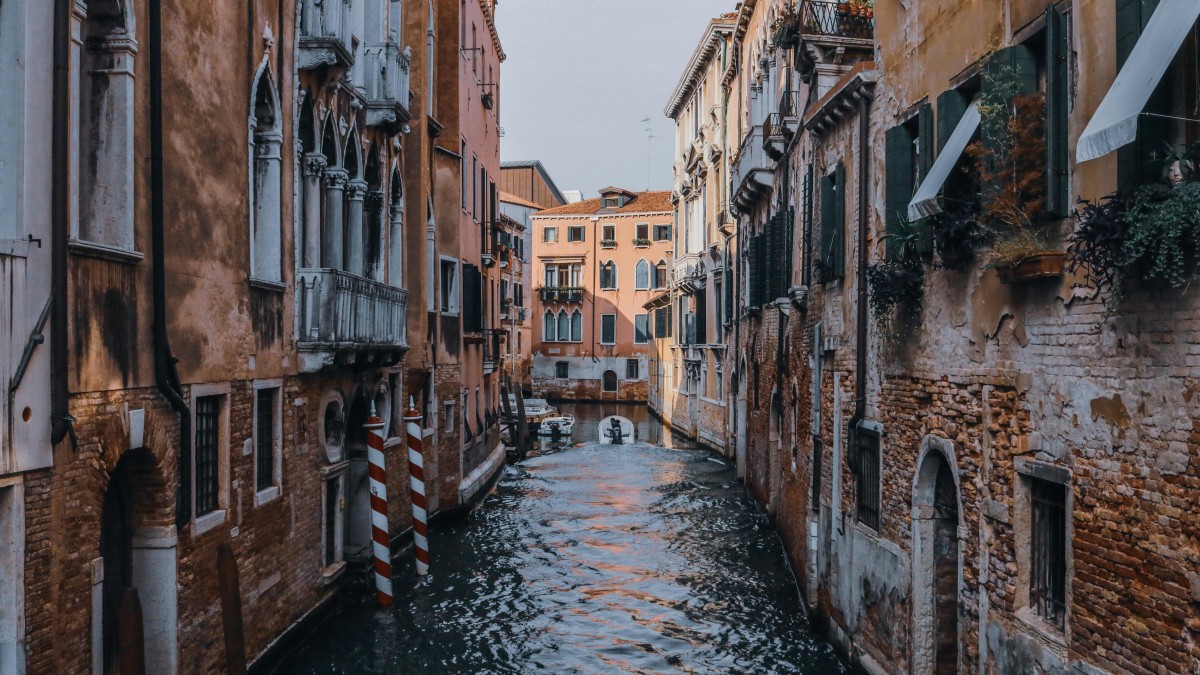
[{"x": 650, "y": 136}]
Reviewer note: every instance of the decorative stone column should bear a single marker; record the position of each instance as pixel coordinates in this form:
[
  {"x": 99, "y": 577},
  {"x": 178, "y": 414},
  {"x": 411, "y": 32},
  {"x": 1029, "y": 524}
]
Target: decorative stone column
[
  {"x": 268, "y": 212},
  {"x": 314, "y": 167},
  {"x": 332, "y": 237},
  {"x": 396, "y": 247},
  {"x": 355, "y": 192}
]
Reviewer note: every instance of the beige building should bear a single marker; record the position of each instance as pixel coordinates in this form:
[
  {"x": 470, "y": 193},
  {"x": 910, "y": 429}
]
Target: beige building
[{"x": 599, "y": 261}]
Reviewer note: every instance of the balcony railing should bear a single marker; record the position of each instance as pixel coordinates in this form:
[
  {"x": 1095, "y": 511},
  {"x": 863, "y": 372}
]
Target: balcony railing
[
  {"x": 752, "y": 170},
  {"x": 561, "y": 294},
  {"x": 387, "y": 81},
  {"x": 324, "y": 34},
  {"x": 824, "y": 18},
  {"x": 339, "y": 311},
  {"x": 689, "y": 273}
]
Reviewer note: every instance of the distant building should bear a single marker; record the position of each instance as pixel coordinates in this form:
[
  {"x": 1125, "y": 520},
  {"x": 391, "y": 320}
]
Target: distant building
[
  {"x": 515, "y": 290},
  {"x": 530, "y": 181},
  {"x": 600, "y": 261},
  {"x": 574, "y": 196}
]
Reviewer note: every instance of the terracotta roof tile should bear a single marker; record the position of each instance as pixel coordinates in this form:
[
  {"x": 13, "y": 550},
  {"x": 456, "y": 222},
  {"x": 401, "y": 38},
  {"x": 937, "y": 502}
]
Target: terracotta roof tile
[
  {"x": 510, "y": 198},
  {"x": 643, "y": 202}
]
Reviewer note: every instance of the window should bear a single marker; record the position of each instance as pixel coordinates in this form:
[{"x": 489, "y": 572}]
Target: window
[
  {"x": 462, "y": 169},
  {"x": 564, "y": 326},
  {"x": 475, "y": 188},
  {"x": 641, "y": 277},
  {"x": 609, "y": 383},
  {"x": 660, "y": 275},
  {"x": 549, "y": 235},
  {"x": 611, "y": 202},
  {"x": 450, "y": 419},
  {"x": 633, "y": 369},
  {"x": 561, "y": 369},
  {"x": 268, "y": 428},
  {"x": 608, "y": 275},
  {"x": 1048, "y": 550},
  {"x": 909, "y": 155},
  {"x": 333, "y": 516},
  {"x": 210, "y": 456},
  {"x": 559, "y": 275},
  {"x": 833, "y": 225},
  {"x": 576, "y": 233},
  {"x": 577, "y": 326},
  {"x": 662, "y": 232},
  {"x": 472, "y": 299},
  {"x": 549, "y": 327},
  {"x": 608, "y": 329},
  {"x": 867, "y": 488},
  {"x": 642, "y": 236},
  {"x": 814, "y": 500},
  {"x": 266, "y": 263},
  {"x": 608, "y": 235},
  {"x": 449, "y": 281},
  {"x": 641, "y": 329}
]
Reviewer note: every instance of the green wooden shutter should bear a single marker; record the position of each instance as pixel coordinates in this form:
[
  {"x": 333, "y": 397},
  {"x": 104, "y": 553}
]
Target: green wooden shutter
[
  {"x": 1141, "y": 162},
  {"x": 898, "y": 186},
  {"x": 806, "y": 239},
  {"x": 789, "y": 232},
  {"x": 828, "y": 213},
  {"x": 839, "y": 235},
  {"x": 1058, "y": 198},
  {"x": 925, "y": 125},
  {"x": 951, "y": 106}
]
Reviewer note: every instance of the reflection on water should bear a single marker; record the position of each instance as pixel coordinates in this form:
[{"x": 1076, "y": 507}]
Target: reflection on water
[
  {"x": 590, "y": 559},
  {"x": 587, "y": 426}
]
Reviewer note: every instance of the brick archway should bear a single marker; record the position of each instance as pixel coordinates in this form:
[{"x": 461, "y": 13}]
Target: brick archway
[{"x": 937, "y": 558}]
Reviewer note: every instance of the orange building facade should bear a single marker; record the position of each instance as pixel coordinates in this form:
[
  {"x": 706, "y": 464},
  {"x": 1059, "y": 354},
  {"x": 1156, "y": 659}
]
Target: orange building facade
[{"x": 595, "y": 265}]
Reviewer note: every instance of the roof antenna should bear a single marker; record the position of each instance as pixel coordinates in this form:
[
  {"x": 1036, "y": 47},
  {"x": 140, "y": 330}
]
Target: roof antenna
[{"x": 650, "y": 136}]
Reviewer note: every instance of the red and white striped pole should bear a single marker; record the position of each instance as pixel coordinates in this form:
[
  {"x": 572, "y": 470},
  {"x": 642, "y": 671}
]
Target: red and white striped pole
[
  {"x": 381, "y": 539},
  {"x": 416, "y": 488}
]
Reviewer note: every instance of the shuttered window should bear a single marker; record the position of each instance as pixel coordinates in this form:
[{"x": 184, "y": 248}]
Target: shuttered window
[
  {"x": 833, "y": 224},
  {"x": 472, "y": 299},
  {"x": 641, "y": 323},
  {"x": 899, "y": 180},
  {"x": 1058, "y": 189},
  {"x": 1141, "y": 161},
  {"x": 806, "y": 239},
  {"x": 1018, "y": 60},
  {"x": 608, "y": 329}
]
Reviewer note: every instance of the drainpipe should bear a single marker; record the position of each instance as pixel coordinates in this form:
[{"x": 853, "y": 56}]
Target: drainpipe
[
  {"x": 166, "y": 377},
  {"x": 60, "y": 418},
  {"x": 860, "y": 355}
]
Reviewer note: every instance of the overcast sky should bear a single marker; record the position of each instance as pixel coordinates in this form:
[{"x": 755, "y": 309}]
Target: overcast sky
[{"x": 581, "y": 76}]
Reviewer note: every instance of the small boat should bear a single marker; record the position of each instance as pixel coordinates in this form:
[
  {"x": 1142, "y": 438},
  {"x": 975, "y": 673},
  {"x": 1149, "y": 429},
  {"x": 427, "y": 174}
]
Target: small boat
[
  {"x": 616, "y": 430},
  {"x": 538, "y": 409},
  {"x": 557, "y": 425}
]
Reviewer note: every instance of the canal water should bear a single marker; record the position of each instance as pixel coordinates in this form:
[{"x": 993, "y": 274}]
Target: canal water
[{"x": 590, "y": 559}]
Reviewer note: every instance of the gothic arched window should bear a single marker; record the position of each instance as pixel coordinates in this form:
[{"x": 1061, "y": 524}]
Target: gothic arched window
[
  {"x": 265, "y": 216},
  {"x": 642, "y": 276}
]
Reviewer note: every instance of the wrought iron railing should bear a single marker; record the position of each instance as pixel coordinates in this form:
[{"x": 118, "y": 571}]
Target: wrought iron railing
[
  {"x": 829, "y": 18},
  {"x": 343, "y": 310},
  {"x": 561, "y": 293}
]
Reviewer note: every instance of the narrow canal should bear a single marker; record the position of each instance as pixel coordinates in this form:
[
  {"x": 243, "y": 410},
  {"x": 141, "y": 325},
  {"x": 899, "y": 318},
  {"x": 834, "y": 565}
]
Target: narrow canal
[{"x": 590, "y": 559}]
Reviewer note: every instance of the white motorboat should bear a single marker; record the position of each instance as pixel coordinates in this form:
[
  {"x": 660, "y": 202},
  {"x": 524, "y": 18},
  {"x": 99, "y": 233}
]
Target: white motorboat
[
  {"x": 616, "y": 430},
  {"x": 538, "y": 409},
  {"x": 557, "y": 425}
]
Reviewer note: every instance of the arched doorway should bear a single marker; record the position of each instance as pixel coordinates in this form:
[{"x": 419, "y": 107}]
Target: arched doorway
[
  {"x": 135, "y": 594},
  {"x": 609, "y": 382},
  {"x": 357, "y": 544},
  {"x": 937, "y": 565}
]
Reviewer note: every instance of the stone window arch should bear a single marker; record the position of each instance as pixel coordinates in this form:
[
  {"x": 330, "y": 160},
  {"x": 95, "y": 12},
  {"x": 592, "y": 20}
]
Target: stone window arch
[
  {"x": 564, "y": 326},
  {"x": 549, "y": 330},
  {"x": 104, "y": 161},
  {"x": 608, "y": 275},
  {"x": 660, "y": 274},
  {"x": 396, "y": 231},
  {"x": 355, "y": 255},
  {"x": 266, "y": 142},
  {"x": 642, "y": 276},
  {"x": 609, "y": 383},
  {"x": 373, "y": 231},
  {"x": 576, "y": 326},
  {"x": 937, "y": 556}
]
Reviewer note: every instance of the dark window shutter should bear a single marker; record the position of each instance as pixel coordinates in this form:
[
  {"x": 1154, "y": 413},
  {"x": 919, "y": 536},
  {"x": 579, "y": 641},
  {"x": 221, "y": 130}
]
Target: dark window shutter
[
  {"x": 951, "y": 106},
  {"x": 730, "y": 261},
  {"x": 1058, "y": 199},
  {"x": 898, "y": 180},
  {"x": 828, "y": 213},
  {"x": 925, "y": 125},
  {"x": 1141, "y": 162},
  {"x": 806, "y": 239},
  {"x": 789, "y": 232},
  {"x": 839, "y": 235}
]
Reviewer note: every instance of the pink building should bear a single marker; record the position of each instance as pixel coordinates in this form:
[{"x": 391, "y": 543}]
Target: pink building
[{"x": 596, "y": 264}]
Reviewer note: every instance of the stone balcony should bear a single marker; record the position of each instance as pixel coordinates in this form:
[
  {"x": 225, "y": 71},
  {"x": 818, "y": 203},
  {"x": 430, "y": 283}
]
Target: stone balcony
[
  {"x": 824, "y": 19},
  {"x": 752, "y": 172},
  {"x": 325, "y": 35},
  {"x": 688, "y": 274},
  {"x": 386, "y": 77},
  {"x": 344, "y": 319},
  {"x": 561, "y": 294}
]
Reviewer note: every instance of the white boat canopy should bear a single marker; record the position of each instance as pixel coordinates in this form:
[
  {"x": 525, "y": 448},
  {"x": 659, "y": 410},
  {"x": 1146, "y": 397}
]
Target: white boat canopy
[
  {"x": 925, "y": 201},
  {"x": 1115, "y": 122}
]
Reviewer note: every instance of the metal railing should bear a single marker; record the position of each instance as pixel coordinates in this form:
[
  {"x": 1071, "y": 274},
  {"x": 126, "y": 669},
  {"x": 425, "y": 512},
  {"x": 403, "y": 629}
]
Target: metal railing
[
  {"x": 561, "y": 293},
  {"x": 825, "y": 18},
  {"x": 344, "y": 310},
  {"x": 751, "y": 159},
  {"x": 387, "y": 74}
]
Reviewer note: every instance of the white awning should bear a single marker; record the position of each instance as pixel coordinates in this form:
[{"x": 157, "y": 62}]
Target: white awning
[
  {"x": 925, "y": 202},
  {"x": 1115, "y": 122}
]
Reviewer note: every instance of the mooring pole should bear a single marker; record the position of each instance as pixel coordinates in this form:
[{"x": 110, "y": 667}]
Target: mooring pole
[
  {"x": 416, "y": 488},
  {"x": 380, "y": 532}
]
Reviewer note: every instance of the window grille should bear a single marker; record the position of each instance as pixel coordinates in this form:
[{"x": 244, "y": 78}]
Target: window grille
[
  {"x": 264, "y": 438},
  {"x": 1048, "y": 551},
  {"x": 818, "y": 451},
  {"x": 208, "y": 419},
  {"x": 561, "y": 369},
  {"x": 867, "y": 487},
  {"x": 632, "y": 369}
]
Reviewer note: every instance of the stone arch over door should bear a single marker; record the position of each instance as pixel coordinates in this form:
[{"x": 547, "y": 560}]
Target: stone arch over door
[
  {"x": 135, "y": 577},
  {"x": 937, "y": 558}
]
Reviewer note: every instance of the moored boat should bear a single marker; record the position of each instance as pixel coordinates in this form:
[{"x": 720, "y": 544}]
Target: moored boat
[
  {"x": 616, "y": 430},
  {"x": 557, "y": 425}
]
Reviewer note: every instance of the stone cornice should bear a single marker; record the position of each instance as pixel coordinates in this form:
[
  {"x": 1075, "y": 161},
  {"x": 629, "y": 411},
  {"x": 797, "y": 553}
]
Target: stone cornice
[{"x": 718, "y": 30}]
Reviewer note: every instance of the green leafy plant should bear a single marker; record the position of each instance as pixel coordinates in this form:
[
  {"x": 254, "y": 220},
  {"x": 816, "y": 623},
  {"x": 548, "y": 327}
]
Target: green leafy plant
[
  {"x": 958, "y": 236},
  {"x": 897, "y": 285},
  {"x": 1096, "y": 246},
  {"x": 1163, "y": 236}
]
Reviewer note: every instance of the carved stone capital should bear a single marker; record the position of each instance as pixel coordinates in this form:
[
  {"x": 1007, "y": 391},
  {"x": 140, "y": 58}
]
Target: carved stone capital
[
  {"x": 374, "y": 200},
  {"x": 315, "y": 164},
  {"x": 356, "y": 190},
  {"x": 336, "y": 177}
]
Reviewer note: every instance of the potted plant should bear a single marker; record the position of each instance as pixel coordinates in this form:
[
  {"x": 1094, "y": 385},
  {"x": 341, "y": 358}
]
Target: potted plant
[
  {"x": 641, "y": 242},
  {"x": 897, "y": 285},
  {"x": 489, "y": 100},
  {"x": 1010, "y": 161},
  {"x": 844, "y": 9}
]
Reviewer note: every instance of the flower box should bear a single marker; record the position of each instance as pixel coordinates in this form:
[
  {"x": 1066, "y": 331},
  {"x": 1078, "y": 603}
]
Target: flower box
[{"x": 1047, "y": 265}]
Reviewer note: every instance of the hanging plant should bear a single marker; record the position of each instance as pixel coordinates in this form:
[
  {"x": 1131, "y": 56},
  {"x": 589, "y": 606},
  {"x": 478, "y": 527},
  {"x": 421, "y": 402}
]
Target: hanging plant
[
  {"x": 897, "y": 286},
  {"x": 1095, "y": 247}
]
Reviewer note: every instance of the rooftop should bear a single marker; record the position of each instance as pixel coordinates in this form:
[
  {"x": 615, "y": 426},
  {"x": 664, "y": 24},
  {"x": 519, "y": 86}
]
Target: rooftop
[{"x": 642, "y": 202}]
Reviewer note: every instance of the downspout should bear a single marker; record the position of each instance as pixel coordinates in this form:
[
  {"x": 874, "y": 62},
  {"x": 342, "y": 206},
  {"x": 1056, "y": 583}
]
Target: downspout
[
  {"x": 60, "y": 418},
  {"x": 860, "y": 354},
  {"x": 166, "y": 377}
]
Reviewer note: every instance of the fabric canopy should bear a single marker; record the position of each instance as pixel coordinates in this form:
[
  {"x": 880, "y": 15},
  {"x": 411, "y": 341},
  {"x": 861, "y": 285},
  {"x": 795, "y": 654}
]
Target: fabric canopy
[
  {"x": 925, "y": 202},
  {"x": 1115, "y": 122}
]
